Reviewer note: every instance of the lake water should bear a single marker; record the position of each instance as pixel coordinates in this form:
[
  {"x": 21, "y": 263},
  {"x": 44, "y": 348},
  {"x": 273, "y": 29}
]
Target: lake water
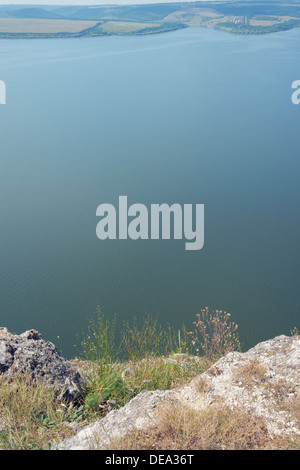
[{"x": 194, "y": 116}]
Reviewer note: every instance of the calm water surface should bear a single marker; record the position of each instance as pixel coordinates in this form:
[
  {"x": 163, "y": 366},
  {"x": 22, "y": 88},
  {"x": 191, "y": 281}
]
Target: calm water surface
[{"x": 194, "y": 116}]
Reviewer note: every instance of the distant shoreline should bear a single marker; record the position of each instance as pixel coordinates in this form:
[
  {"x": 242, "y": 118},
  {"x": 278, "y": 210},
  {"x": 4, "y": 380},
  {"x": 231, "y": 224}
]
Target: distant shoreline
[
  {"x": 92, "y": 32},
  {"x": 159, "y": 30},
  {"x": 46, "y": 22}
]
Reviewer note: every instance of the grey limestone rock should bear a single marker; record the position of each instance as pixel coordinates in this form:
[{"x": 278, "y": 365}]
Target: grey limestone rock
[{"x": 28, "y": 354}]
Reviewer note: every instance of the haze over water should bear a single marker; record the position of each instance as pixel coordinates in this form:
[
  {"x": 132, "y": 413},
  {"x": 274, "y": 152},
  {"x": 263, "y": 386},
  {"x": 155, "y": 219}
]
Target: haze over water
[{"x": 194, "y": 116}]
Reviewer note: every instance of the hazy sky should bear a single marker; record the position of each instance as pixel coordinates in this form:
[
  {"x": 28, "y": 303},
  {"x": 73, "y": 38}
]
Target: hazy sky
[{"x": 84, "y": 2}]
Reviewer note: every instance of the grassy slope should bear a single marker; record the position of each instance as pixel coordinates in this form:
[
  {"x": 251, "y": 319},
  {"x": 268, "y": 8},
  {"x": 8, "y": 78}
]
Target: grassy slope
[{"x": 147, "y": 356}]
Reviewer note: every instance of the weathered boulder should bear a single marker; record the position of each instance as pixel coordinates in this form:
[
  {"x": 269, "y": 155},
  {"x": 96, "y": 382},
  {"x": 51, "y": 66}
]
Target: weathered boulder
[
  {"x": 263, "y": 382},
  {"x": 28, "y": 354}
]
